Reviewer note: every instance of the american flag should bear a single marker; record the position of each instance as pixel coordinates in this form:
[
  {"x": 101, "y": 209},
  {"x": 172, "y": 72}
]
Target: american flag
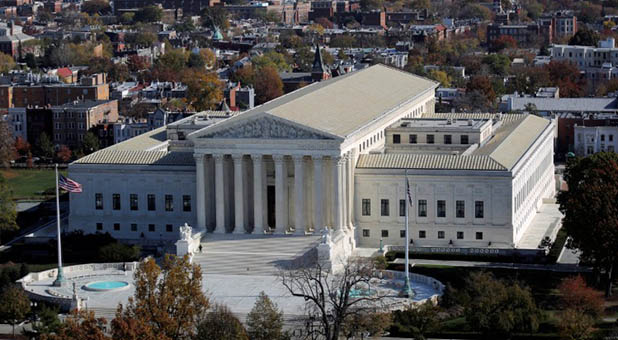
[
  {"x": 69, "y": 184},
  {"x": 408, "y": 191}
]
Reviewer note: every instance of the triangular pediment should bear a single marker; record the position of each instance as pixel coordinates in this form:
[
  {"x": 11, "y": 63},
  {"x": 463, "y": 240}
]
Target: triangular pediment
[{"x": 262, "y": 126}]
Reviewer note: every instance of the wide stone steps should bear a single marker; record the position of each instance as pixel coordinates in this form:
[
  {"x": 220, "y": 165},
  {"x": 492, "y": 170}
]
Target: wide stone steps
[{"x": 251, "y": 255}]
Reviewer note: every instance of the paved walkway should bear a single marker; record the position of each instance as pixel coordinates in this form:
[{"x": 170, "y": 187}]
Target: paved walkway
[{"x": 546, "y": 222}]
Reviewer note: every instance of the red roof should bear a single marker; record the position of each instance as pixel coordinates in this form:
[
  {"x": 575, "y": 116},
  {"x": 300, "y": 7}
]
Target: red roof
[{"x": 64, "y": 72}]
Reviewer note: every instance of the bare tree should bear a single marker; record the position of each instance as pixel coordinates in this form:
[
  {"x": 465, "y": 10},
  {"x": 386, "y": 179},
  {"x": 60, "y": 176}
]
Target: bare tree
[{"x": 335, "y": 299}]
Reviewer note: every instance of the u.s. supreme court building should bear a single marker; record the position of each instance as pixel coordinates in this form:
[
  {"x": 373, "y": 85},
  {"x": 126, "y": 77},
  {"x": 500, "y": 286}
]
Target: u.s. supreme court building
[{"x": 332, "y": 154}]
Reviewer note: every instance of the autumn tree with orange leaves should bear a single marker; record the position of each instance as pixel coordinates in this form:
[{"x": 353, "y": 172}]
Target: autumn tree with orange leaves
[
  {"x": 82, "y": 325},
  {"x": 167, "y": 305},
  {"x": 582, "y": 306}
]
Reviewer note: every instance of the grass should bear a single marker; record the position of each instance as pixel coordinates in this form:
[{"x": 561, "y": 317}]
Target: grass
[{"x": 31, "y": 183}]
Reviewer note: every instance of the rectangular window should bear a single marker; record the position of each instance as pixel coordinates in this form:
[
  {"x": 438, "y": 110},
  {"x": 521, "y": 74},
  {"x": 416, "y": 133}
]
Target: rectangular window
[
  {"x": 169, "y": 203},
  {"x": 98, "y": 201},
  {"x": 479, "y": 209},
  {"x": 396, "y": 139},
  {"x": 365, "y": 232},
  {"x": 479, "y": 235},
  {"x": 611, "y": 138},
  {"x": 116, "y": 226},
  {"x": 441, "y": 209},
  {"x": 366, "y": 207},
  {"x": 169, "y": 228},
  {"x": 460, "y": 209},
  {"x": 402, "y": 207},
  {"x": 460, "y": 235},
  {"x": 448, "y": 139},
  {"x": 440, "y": 234},
  {"x": 151, "y": 202},
  {"x": 422, "y": 208},
  {"x": 133, "y": 201},
  {"x": 151, "y": 227},
  {"x": 412, "y": 139},
  {"x": 422, "y": 234},
  {"x": 402, "y": 233},
  {"x": 133, "y": 227},
  {"x": 186, "y": 203},
  {"x": 116, "y": 201},
  {"x": 430, "y": 139},
  {"x": 602, "y": 138},
  {"x": 99, "y": 226},
  {"x": 384, "y": 210},
  {"x": 384, "y": 233},
  {"x": 463, "y": 139}
]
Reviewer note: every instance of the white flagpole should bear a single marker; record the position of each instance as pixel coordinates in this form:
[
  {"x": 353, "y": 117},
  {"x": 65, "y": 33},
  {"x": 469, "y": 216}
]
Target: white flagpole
[
  {"x": 407, "y": 289},
  {"x": 60, "y": 277}
]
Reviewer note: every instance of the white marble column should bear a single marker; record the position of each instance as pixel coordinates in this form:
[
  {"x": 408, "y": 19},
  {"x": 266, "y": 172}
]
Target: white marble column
[
  {"x": 336, "y": 167},
  {"x": 239, "y": 195},
  {"x": 318, "y": 201},
  {"x": 343, "y": 183},
  {"x": 258, "y": 188},
  {"x": 200, "y": 192},
  {"x": 280, "y": 195},
  {"x": 350, "y": 189},
  {"x": 299, "y": 190},
  {"x": 219, "y": 194}
]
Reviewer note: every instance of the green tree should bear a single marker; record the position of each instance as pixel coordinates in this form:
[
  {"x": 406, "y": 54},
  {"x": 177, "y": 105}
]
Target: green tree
[
  {"x": 215, "y": 16},
  {"x": 81, "y": 325},
  {"x": 44, "y": 146},
  {"x": 8, "y": 213},
  {"x": 119, "y": 252},
  {"x": 7, "y": 63},
  {"x": 590, "y": 219},
  {"x": 15, "y": 306},
  {"x": 48, "y": 321},
  {"x": 196, "y": 61},
  {"x": 93, "y": 7},
  {"x": 220, "y": 324},
  {"x": 499, "y": 64},
  {"x": 416, "y": 321},
  {"x": 168, "y": 302},
  {"x": 585, "y": 37},
  {"x": 497, "y": 309},
  {"x": 174, "y": 60},
  {"x": 149, "y": 14},
  {"x": 441, "y": 77},
  {"x": 265, "y": 321},
  {"x": 7, "y": 145},
  {"x": 271, "y": 58},
  {"x": 90, "y": 143},
  {"x": 304, "y": 59}
]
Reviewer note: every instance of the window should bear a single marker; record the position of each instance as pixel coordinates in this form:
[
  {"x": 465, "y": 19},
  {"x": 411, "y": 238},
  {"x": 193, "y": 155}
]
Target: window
[
  {"x": 429, "y": 139},
  {"x": 460, "y": 209},
  {"x": 186, "y": 203},
  {"x": 366, "y": 207},
  {"x": 463, "y": 139},
  {"x": 412, "y": 139},
  {"x": 422, "y": 234},
  {"x": 396, "y": 139},
  {"x": 169, "y": 228},
  {"x": 133, "y": 227},
  {"x": 384, "y": 233},
  {"x": 384, "y": 210},
  {"x": 460, "y": 235},
  {"x": 98, "y": 201},
  {"x": 99, "y": 226},
  {"x": 479, "y": 235},
  {"x": 169, "y": 203},
  {"x": 440, "y": 234},
  {"x": 611, "y": 138},
  {"x": 479, "y": 209},
  {"x": 441, "y": 211},
  {"x": 133, "y": 201},
  {"x": 365, "y": 232},
  {"x": 402, "y": 207},
  {"x": 151, "y": 202},
  {"x": 151, "y": 227},
  {"x": 602, "y": 138},
  {"x": 422, "y": 208},
  {"x": 402, "y": 233},
  {"x": 116, "y": 201},
  {"x": 116, "y": 226},
  {"x": 448, "y": 139}
]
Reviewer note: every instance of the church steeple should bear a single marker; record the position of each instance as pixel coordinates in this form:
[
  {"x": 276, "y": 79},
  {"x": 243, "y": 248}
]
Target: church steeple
[{"x": 319, "y": 71}]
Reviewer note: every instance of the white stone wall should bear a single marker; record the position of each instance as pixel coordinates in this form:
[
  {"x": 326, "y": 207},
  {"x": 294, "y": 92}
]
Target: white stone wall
[
  {"x": 108, "y": 180},
  {"x": 492, "y": 189}
]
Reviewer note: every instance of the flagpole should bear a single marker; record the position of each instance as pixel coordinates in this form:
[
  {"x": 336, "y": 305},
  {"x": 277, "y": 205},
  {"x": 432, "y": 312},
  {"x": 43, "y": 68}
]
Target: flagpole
[
  {"x": 407, "y": 290},
  {"x": 60, "y": 277}
]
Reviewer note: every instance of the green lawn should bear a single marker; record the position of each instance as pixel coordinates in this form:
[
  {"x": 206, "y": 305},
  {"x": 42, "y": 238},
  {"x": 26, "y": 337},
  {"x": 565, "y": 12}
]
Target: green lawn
[{"x": 31, "y": 183}]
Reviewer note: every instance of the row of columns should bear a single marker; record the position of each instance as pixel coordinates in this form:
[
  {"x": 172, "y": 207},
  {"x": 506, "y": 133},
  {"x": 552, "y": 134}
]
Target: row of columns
[{"x": 339, "y": 204}]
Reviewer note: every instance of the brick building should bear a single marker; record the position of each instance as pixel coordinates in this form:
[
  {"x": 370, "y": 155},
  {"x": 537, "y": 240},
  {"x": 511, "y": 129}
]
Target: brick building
[
  {"x": 523, "y": 34},
  {"x": 72, "y": 120},
  {"x": 11, "y": 38},
  {"x": 93, "y": 87}
]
